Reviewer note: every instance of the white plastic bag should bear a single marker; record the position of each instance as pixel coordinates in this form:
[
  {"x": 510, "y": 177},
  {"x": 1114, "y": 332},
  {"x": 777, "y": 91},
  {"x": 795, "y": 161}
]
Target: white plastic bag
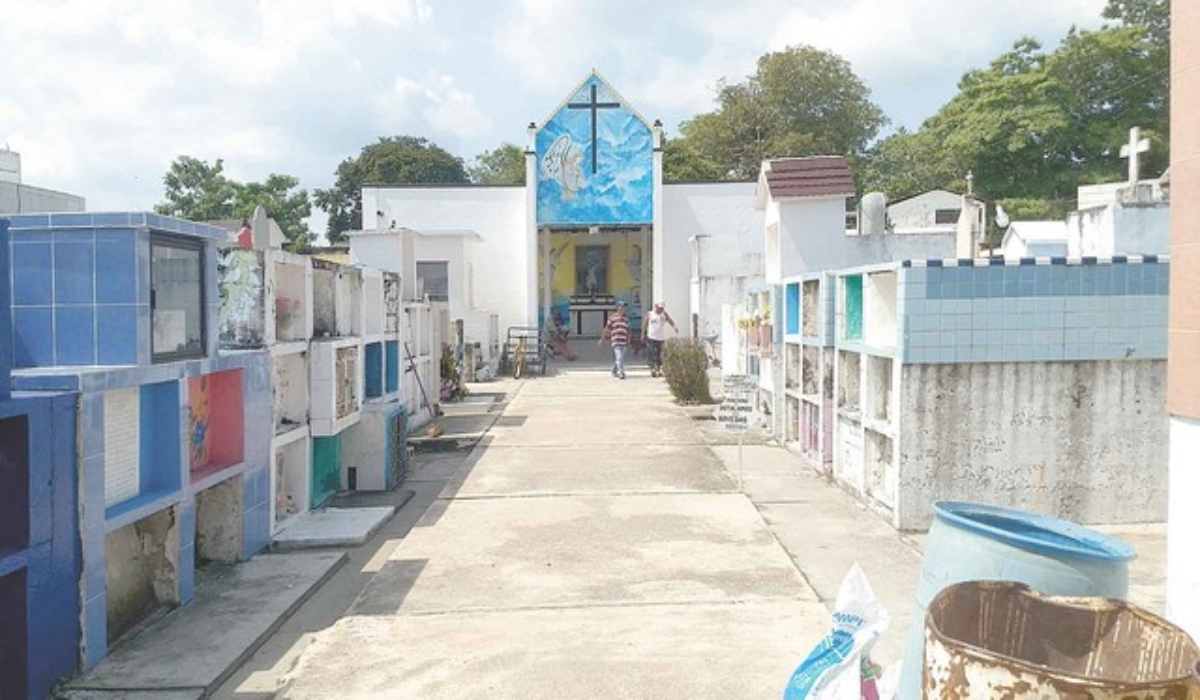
[{"x": 839, "y": 667}]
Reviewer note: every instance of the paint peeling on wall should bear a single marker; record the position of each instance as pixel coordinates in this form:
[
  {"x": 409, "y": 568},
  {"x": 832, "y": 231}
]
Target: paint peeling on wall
[
  {"x": 391, "y": 303},
  {"x": 242, "y": 292},
  {"x": 346, "y": 378}
]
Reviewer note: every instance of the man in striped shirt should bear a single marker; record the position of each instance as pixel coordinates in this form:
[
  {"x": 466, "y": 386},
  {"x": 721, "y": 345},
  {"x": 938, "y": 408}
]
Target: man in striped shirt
[{"x": 617, "y": 331}]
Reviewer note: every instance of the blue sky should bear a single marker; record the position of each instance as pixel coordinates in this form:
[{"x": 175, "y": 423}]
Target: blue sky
[{"x": 99, "y": 96}]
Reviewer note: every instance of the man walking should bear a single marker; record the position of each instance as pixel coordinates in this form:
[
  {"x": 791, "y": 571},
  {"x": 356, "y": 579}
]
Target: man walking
[
  {"x": 654, "y": 330},
  {"x": 617, "y": 332}
]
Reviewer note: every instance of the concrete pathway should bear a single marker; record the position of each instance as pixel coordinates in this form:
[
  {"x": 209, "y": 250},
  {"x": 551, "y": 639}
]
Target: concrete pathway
[
  {"x": 609, "y": 556},
  {"x": 593, "y": 546}
]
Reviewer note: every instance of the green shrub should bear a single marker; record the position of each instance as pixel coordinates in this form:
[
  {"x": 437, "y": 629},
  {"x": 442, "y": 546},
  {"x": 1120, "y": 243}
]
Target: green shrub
[{"x": 685, "y": 365}]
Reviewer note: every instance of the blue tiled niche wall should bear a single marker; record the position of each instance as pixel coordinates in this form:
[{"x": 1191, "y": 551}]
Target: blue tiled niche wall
[
  {"x": 1057, "y": 310},
  {"x": 81, "y": 286}
]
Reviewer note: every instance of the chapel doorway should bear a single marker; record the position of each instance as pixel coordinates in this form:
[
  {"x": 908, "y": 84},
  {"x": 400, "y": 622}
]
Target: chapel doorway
[{"x": 585, "y": 272}]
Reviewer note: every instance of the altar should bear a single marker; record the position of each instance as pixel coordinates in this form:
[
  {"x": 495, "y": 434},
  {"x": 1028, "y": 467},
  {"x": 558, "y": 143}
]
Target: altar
[{"x": 590, "y": 314}]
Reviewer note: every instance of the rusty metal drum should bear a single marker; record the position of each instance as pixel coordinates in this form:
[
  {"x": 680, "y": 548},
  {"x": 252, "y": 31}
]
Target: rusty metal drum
[
  {"x": 992, "y": 639},
  {"x": 980, "y": 542}
]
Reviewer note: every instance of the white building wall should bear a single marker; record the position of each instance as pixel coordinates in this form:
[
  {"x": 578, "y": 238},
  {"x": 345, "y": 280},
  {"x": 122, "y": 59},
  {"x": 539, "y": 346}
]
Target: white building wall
[
  {"x": 1183, "y": 567},
  {"x": 723, "y": 215},
  {"x": 813, "y": 239},
  {"x": 499, "y": 259},
  {"x": 24, "y": 199},
  {"x": 918, "y": 214},
  {"x": 1120, "y": 230}
]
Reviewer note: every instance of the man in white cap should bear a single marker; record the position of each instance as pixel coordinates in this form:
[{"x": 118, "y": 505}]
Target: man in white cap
[{"x": 654, "y": 330}]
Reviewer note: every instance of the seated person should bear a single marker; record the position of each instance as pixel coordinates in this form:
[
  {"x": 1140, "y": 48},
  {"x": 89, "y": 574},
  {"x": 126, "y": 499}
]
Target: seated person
[{"x": 557, "y": 340}]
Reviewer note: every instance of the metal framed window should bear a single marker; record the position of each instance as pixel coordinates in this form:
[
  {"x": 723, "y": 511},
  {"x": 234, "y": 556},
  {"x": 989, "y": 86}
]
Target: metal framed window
[
  {"x": 433, "y": 280},
  {"x": 178, "y": 319},
  {"x": 946, "y": 216}
]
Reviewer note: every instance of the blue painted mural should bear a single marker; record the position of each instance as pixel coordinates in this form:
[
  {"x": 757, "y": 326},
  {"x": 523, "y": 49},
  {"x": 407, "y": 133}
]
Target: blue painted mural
[{"x": 595, "y": 161}]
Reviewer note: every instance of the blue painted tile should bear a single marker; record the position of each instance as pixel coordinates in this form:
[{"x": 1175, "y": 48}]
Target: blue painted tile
[
  {"x": 116, "y": 235},
  {"x": 33, "y": 337},
  {"x": 74, "y": 273},
  {"x": 143, "y": 334},
  {"x": 70, "y": 219},
  {"x": 116, "y": 327},
  {"x": 116, "y": 272},
  {"x": 95, "y": 631},
  {"x": 91, "y": 412},
  {"x": 187, "y": 573},
  {"x": 34, "y": 221},
  {"x": 32, "y": 274},
  {"x": 75, "y": 337},
  {"x": 143, "y": 270},
  {"x": 111, "y": 219}
]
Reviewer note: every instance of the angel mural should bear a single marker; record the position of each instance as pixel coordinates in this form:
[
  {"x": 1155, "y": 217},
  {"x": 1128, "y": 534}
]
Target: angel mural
[{"x": 563, "y": 163}]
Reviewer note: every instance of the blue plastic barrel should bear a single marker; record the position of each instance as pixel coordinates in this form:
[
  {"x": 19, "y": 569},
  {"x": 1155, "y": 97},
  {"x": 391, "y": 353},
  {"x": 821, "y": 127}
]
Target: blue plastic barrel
[{"x": 978, "y": 542}]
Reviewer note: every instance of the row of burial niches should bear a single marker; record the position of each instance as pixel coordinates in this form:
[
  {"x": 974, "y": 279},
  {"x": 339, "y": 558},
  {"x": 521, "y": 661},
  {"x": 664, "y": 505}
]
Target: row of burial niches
[
  {"x": 276, "y": 297},
  {"x": 146, "y": 462}
]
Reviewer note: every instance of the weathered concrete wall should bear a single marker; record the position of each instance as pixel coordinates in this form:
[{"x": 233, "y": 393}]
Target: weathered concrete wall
[
  {"x": 1084, "y": 441},
  {"x": 724, "y": 215},
  {"x": 142, "y": 570},
  {"x": 219, "y": 522},
  {"x": 324, "y": 300}
]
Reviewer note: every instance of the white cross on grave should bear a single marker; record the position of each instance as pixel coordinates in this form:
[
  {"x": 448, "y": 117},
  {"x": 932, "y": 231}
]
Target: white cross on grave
[{"x": 1136, "y": 145}]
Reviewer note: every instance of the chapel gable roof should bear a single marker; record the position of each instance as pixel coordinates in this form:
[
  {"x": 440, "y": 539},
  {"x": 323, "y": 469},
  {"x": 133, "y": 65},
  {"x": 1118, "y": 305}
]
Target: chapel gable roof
[{"x": 607, "y": 86}]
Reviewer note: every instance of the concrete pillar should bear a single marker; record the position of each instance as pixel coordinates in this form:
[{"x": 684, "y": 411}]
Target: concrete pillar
[
  {"x": 1183, "y": 530},
  {"x": 531, "y": 232},
  {"x": 657, "y": 246}
]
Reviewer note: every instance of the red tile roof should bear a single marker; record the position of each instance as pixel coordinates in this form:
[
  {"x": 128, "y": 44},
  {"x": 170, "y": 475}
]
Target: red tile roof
[{"x": 818, "y": 176}]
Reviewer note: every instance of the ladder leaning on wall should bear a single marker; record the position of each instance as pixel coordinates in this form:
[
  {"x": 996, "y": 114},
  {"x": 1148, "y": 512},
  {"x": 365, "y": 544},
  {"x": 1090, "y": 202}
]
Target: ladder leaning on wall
[{"x": 412, "y": 365}]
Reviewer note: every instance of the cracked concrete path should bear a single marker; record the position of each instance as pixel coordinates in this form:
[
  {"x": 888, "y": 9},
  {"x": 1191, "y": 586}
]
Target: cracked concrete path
[{"x": 593, "y": 546}]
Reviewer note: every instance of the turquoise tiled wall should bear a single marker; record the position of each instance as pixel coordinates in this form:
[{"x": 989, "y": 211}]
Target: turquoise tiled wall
[{"x": 1030, "y": 312}]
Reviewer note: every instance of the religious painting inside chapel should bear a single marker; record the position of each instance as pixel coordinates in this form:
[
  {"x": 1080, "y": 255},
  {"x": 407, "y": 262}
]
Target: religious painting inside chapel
[
  {"x": 595, "y": 160},
  {"x": 591, "y": 270}
]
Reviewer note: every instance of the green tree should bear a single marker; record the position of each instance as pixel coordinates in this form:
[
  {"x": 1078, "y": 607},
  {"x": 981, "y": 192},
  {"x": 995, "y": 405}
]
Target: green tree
[
  {"x": 287, "y": 207},
  {"x": 396, "y": 160},
  {"x": 198, "y": 191},
  {"x": 505, "y": 165},
  {"x": 800, "y": 101},
  {"x": 1034, "y": 125},
  {"x": 684, "y": 162},
  {"x": 908, "y": 163},
  {"x": 1153, "y": 16}
]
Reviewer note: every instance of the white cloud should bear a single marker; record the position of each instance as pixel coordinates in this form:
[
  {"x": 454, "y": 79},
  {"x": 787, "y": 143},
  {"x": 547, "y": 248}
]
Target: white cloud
[
  {"x": 99, "y": 95},
  {"x": 444, "y": 107}
]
